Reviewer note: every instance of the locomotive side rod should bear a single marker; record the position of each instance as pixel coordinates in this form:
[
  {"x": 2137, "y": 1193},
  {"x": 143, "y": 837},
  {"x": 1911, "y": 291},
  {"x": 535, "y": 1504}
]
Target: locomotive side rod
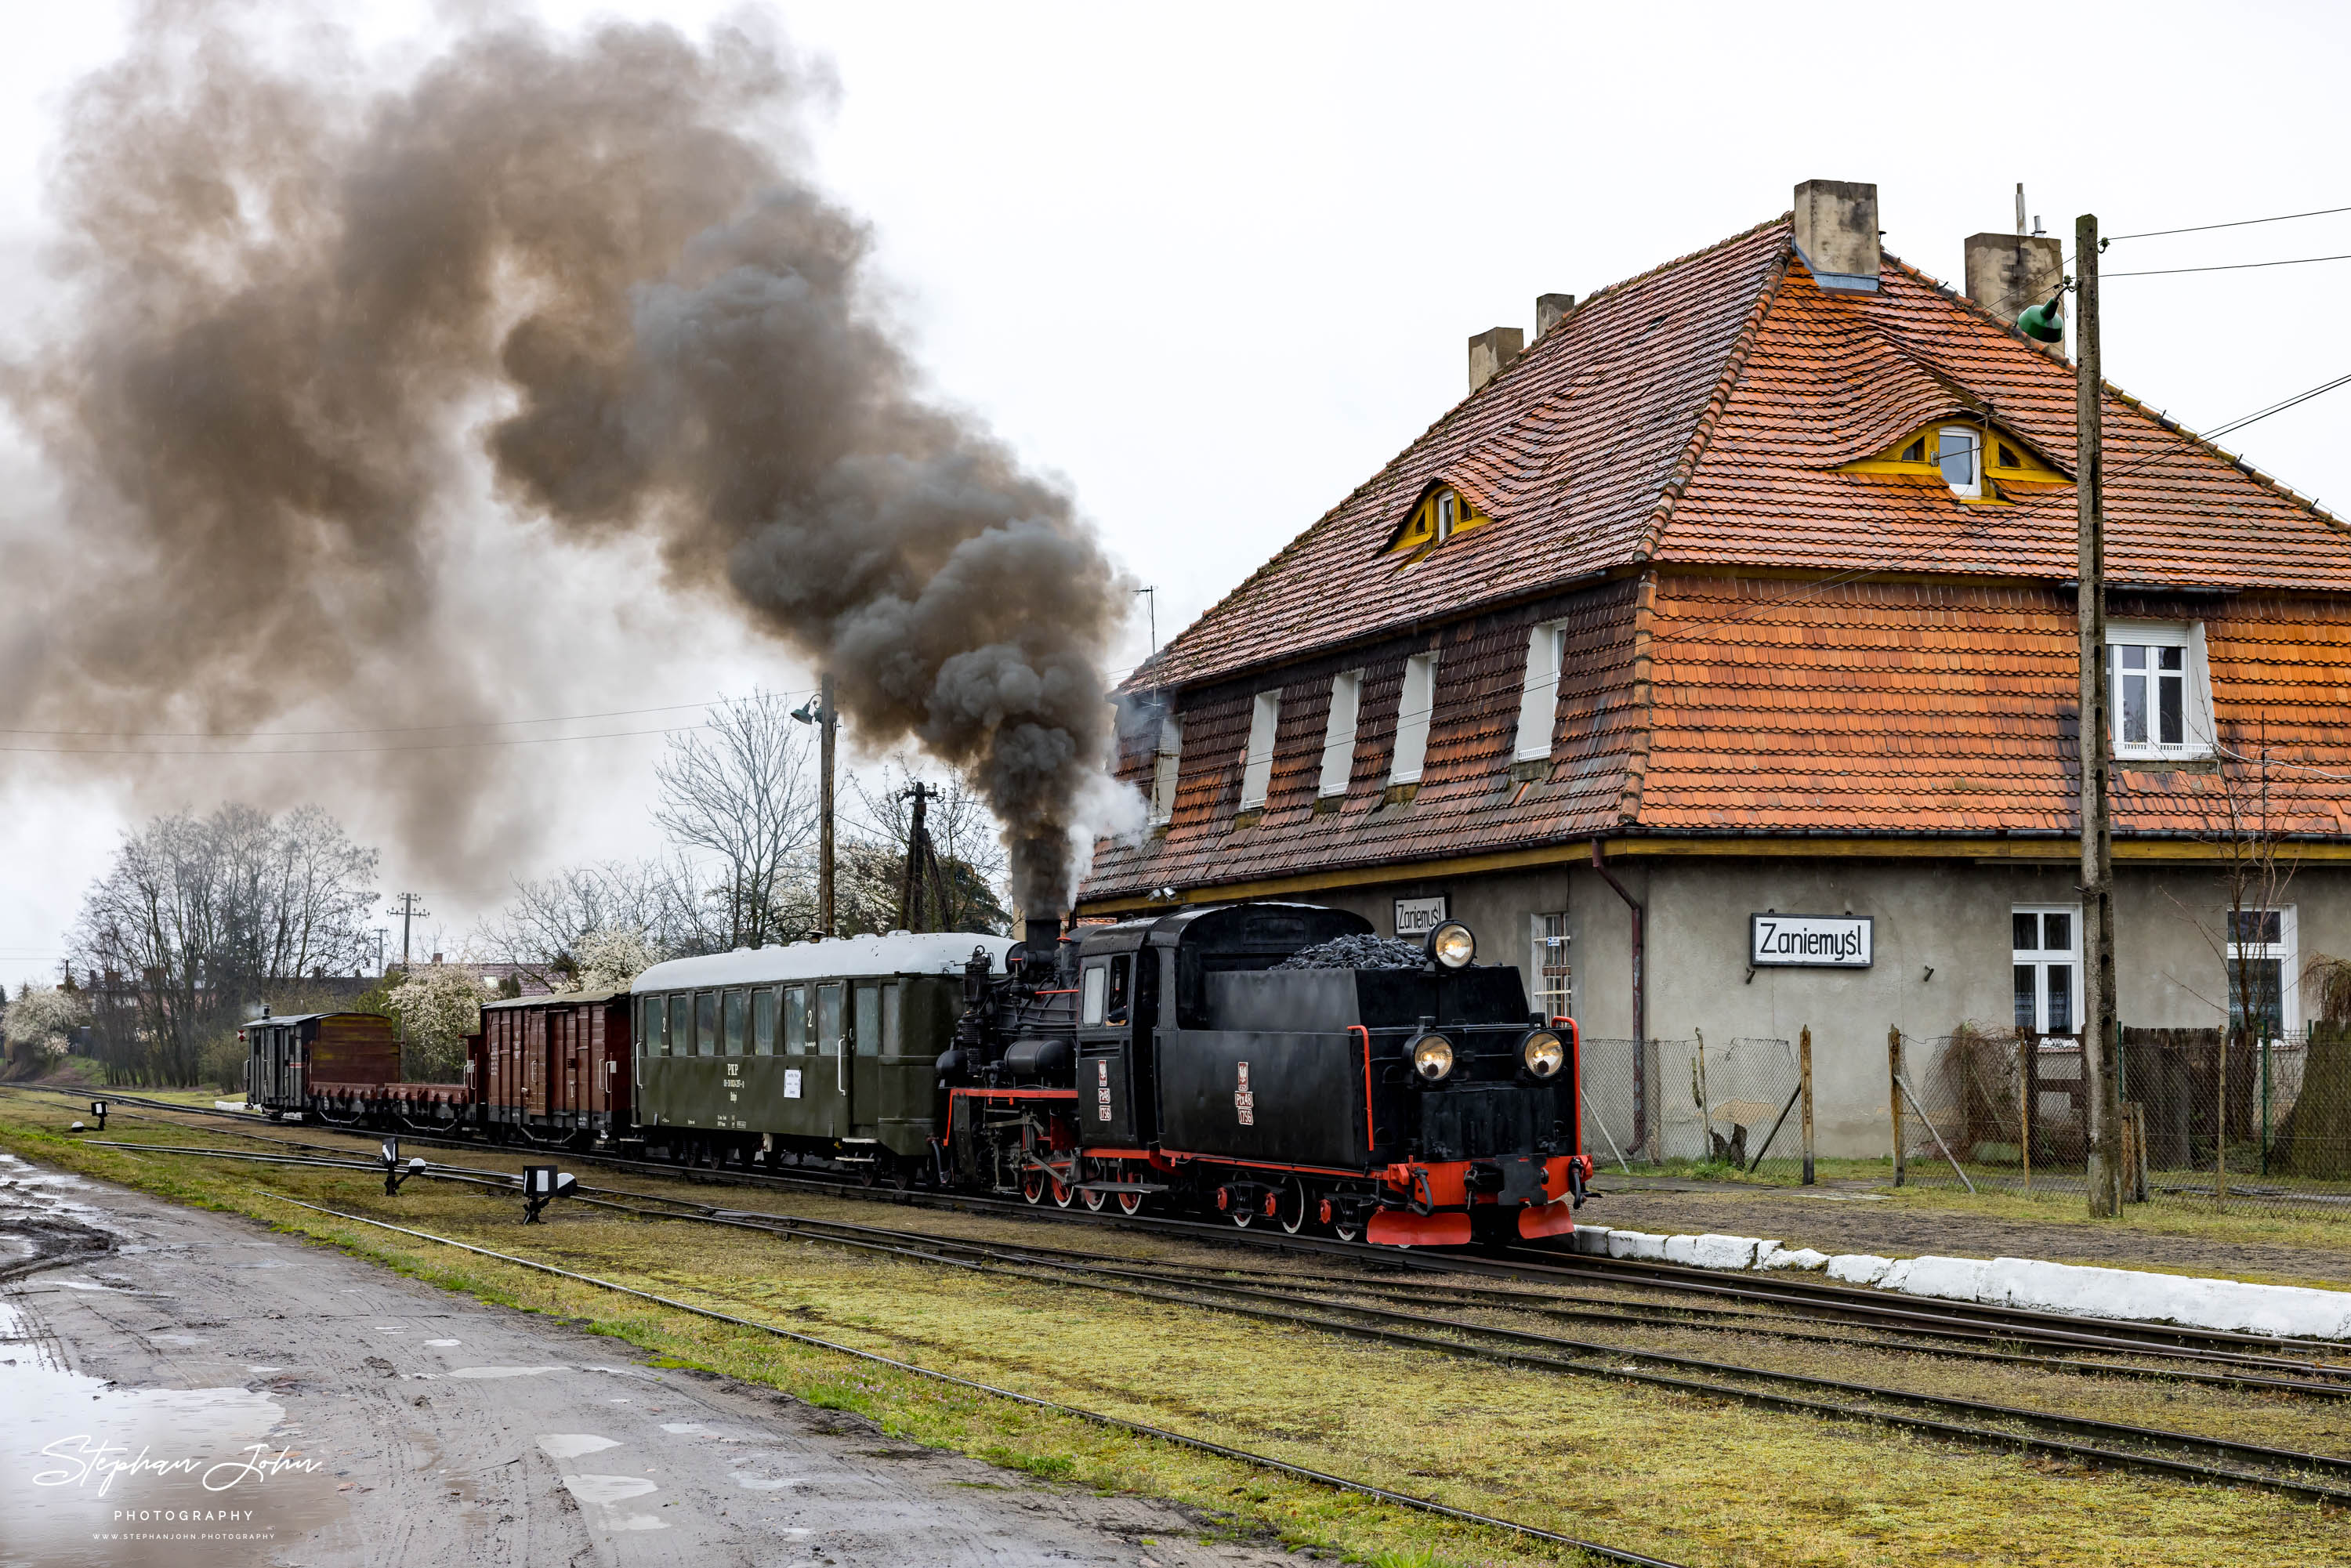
[{"x": 1094, "y": 1417}]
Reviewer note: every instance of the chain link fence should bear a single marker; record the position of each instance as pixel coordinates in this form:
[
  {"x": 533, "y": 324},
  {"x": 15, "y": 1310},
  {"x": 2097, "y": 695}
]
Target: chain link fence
[
  {"x": 2208, "y": 1120},
  {"x": 1686, "y": 1106}
]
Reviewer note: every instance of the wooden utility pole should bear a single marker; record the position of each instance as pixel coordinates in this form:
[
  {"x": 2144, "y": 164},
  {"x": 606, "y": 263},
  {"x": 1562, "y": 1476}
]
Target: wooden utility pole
[
  {"x": 825, "y": 726},
  {"x": 408, "y": 911},
  {"x": 920, "y": 861},
  {"x": 2097, "y": 822}
]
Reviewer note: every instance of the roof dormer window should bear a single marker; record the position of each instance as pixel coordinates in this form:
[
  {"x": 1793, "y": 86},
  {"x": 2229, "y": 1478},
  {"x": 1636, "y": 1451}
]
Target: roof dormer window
[
  {"x": 1979, "y": 462},
  {"x": 1957, "y": 448},
  {"x": 1441, "y": 512}
]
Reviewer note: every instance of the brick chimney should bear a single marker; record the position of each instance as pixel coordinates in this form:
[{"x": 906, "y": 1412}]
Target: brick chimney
[
  {"x": 2007, "y": 273},
  {"x": 1550, "y": 310},
  {"x": 1837, "y": 235},
  {"x": 1492, "y": 349}
]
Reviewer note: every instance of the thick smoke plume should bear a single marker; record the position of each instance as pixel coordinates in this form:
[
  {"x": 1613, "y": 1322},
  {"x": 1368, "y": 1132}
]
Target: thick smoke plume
[{"x": 306, "y": 311}]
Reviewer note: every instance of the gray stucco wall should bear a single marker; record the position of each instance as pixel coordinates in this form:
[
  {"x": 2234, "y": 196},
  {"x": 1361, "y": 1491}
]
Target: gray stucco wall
[{"x": 1950, "y": 917}]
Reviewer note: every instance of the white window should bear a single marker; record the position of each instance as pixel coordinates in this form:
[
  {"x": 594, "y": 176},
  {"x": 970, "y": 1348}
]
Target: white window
[
  {"x": 1959, "y": 451},
  {"x": 2046, "y": 939},
  {"x": 1257, "y": 764},
  {"x": 1449, "y": 513},
  {"x": 1538, "y": 702},
  {"x": 1339, "y": 734},
  {"x": 2262, "y": 973},
  {"x": 1555, "y": 978},
  {"x": 1094, "y": 990},
  {"x": 1164, "y": 769},
  {"x": 2157, "y": 690},
  {"x": 1412, "y": 718}
]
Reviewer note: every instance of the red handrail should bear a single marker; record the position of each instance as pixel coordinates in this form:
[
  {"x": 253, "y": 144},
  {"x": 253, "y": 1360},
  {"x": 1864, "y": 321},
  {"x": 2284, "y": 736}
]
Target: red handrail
[{"x": 1370, "y": 1144}]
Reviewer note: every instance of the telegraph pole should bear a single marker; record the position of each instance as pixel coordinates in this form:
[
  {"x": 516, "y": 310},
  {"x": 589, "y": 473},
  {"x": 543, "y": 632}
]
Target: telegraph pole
[
  {"x": 408, "y": 911},
  {"x": 2098, "y": 1026},
  {"x": 824, "y": 807},
  {"x": 918, "y": 852}
]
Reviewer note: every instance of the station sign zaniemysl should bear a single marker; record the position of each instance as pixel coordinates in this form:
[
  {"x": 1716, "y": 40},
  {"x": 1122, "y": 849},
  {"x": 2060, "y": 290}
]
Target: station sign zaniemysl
[{"x": 1813, "y": 941}]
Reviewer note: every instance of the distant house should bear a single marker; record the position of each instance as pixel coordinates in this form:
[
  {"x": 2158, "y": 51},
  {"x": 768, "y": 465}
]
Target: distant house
[{"x": 1715, "y": 660}]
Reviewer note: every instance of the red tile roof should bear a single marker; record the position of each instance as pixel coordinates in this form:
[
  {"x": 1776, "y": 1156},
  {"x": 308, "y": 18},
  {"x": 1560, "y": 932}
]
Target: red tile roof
[
  {"x": 1759, "y": 642},
  {"x": 1699, "y": 413}
]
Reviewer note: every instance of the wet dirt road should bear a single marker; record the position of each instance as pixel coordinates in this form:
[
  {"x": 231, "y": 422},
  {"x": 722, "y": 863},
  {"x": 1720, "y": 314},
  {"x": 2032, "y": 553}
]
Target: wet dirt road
[{"x": 207, "y": 1392}]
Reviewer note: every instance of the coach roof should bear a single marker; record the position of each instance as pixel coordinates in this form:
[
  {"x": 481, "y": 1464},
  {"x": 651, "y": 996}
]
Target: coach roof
[{"x": 899, "y": 952}]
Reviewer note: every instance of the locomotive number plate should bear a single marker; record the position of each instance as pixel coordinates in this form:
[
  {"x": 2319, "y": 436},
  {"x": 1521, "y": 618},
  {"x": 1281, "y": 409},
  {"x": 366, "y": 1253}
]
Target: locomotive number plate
[{"x": 1244, "y": 1100}]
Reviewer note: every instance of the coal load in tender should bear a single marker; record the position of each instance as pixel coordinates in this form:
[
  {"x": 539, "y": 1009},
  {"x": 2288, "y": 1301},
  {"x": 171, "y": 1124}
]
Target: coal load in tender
[{"x": 1364, "y": 952}]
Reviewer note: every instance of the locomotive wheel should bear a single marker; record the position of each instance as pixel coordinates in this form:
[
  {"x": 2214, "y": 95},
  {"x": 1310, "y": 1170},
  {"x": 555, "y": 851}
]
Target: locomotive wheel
[
  {"x": 1062, "y": 1193},
  {"x": 1032, "y": 1187},
  {"x": 1294, "y": 1208},
  {"x": 1131, "y": 1203},
  {"x": 1346, "y": 1232},
  {"x": 1094, "y": 1199}
]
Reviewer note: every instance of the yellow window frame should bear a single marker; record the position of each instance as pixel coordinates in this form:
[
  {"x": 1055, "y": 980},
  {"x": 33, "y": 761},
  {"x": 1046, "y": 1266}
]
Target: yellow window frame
[{"x": 2007, "y": 462}]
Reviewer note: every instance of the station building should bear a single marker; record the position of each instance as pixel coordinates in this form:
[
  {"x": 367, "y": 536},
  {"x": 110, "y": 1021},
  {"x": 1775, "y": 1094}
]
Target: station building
[{"x": 1715, "y": 660}]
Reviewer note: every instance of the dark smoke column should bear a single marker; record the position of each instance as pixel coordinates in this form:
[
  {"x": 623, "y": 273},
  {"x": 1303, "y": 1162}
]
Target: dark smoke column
[{"x": 292, "y": 294}]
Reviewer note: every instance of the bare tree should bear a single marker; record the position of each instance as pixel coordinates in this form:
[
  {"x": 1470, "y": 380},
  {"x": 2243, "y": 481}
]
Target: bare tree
[
  {"x": 740, "y": 791},
  {"x": 970, "y": 892},
  {"x": 198, "y": 917}
]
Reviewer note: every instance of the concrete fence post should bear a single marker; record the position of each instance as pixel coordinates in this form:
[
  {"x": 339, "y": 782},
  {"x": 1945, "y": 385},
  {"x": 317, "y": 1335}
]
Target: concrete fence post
[
  {"x": 1804, "y": 1072},
  {"x": 1894, "y": 1093}
]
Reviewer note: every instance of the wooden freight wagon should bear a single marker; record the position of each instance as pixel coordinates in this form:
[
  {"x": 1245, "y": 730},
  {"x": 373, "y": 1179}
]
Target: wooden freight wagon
[
  {"x": 554, "y": 1069},
  {"x": 320, "y": 1062}
]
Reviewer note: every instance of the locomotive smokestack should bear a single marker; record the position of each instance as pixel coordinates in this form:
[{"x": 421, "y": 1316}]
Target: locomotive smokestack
[{"x": 1040, "y": 929}]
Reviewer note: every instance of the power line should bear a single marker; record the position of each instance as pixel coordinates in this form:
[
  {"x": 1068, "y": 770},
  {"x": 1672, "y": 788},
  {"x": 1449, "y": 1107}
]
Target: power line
[
  {"x": 381, "y": 729},
  {"x": 2229, "y": 266},
  {"x": 333, "y": 750},
  {"x": 2239, "y": 223}
]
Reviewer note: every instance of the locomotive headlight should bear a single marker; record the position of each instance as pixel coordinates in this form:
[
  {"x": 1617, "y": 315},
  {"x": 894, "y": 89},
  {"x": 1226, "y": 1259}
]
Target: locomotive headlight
[
  {"x": 1543, "y": 1055},
  {"x": 1432, "y": 1058},
  {"x": 1452, "y": 945}
]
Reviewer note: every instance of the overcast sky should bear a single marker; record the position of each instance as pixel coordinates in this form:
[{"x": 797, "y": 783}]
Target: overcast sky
[{"x": 1215, "y": 264}]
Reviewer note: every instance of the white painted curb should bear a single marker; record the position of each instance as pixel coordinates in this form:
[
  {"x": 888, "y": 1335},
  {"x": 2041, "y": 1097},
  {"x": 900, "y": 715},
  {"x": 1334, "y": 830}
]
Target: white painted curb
[{"x": 2288, "y": 1311}]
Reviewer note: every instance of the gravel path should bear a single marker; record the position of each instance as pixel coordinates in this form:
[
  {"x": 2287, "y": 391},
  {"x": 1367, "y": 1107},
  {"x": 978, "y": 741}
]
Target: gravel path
[{"x": 424, "y": 1428}]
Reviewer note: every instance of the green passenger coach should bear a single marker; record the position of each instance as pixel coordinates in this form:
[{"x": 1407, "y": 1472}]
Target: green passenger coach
[{"x": 820, "y": 1050}]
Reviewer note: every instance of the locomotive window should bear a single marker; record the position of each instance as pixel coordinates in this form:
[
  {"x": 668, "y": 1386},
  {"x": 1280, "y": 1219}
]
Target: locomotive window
[
  {"x": 738, "y": 1007},
  {"x": 763, "y": 1023},
  {"x": 796, "y": 1040},
  {"x": 827, "y": 1019},
  {"x": 1094, "y": 985},
  {"x": 869, "y": 1021},
  {"x": 893, "y": 1021},
  {"x": 1118, "y": 973},
  {"x": 706, "y": 1023},
  {"x": 681, "y": 1026}
]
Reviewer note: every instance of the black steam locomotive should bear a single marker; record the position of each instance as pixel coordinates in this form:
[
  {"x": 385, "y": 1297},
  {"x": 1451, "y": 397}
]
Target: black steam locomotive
[{"x": 1247, "y": 1058}]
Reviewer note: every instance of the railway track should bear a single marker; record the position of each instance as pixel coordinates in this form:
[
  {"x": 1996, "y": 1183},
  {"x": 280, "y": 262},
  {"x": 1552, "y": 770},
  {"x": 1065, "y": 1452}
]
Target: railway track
[
  {"x": 1941, "y": 1327},
  {"x": 1333, "y": 1305}
]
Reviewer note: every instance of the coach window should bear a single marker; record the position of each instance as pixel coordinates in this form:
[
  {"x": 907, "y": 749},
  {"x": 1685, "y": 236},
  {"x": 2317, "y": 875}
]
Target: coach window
[
  {"x": 706, "y": 1023},
  {"x": 763, "y": 1023},
  {"x": 1093, "y": 990},
  {"x": 869, "y": 1021},
  {"x": 681, "y": 1025},
  {"x": 795, "y": 1034},
  {"x": 738, "y": 1018},
  {"x": 827, "y": 1019},
  {"x": 893, "y": 1021},
  {"x": 1119, "y": 967},
  {"x": 656, "y": 1014}
]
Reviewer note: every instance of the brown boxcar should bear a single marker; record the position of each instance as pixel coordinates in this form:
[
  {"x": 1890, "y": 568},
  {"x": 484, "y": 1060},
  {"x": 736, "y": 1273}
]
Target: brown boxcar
[
  {"x": 555, "y": 1067},
  {"x": 318, "y": 1061}
]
